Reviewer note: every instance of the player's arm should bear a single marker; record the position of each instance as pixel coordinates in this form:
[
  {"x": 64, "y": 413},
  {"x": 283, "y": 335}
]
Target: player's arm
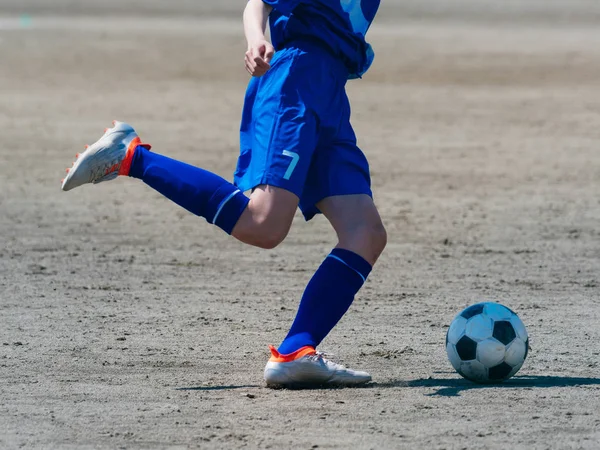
[{"x": 260, "y": 51}]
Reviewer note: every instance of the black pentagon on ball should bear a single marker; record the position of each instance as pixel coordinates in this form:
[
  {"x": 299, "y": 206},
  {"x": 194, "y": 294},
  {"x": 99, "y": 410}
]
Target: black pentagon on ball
[
  {"x": 499, "y": 372},
  {"x": 526, "y": 349},
  {"x": 472, "y": 311},
  {"x": 466, "y": 348},
  {"x": 504, "y": 331}
]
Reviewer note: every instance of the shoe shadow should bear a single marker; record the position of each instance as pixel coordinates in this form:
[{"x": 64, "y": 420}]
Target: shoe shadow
[
  {"x": 217, "y": 388},
  {"x": 308, "y": 387},
  {"x": 453, "y": 387}
]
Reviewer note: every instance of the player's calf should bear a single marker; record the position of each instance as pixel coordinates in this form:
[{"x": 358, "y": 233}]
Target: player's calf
[{"x": 120, "y": 152}]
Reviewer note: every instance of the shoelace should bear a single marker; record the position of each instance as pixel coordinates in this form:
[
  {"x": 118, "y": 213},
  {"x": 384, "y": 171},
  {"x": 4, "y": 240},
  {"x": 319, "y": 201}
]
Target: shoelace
[{"x": 321, "y": 355}]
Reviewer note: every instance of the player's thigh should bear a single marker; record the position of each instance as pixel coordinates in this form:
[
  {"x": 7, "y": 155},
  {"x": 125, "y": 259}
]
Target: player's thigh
[
  {"x": 357, "y": 222},
  {"x": 268, "y": 218}
]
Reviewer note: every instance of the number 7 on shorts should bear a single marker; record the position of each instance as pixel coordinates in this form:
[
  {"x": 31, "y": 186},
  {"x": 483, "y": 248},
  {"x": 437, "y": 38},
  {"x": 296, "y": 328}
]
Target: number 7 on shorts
[{"x": 295, "y": 158}]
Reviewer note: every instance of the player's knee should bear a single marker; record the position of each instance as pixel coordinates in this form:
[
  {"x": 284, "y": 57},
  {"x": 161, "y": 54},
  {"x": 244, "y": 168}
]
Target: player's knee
[
  {"x": 377, "y": 238},
  {"x": 368, "y": 239},
  {"x": 263, "y": 228},
  {"x": 270, "y": 239},
  {"x": 268, "y": 233}
]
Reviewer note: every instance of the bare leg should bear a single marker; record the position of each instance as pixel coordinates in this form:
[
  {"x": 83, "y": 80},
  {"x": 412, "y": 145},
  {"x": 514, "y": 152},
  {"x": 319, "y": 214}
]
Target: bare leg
[
  {"x": 357, "y": 223},
  {"x": 268, "y": 217}
]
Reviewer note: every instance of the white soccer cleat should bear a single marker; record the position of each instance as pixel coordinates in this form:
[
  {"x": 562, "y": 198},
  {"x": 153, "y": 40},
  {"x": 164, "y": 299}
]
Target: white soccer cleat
[
  {"x": 109, "y": 157},
  {"x": 307, "y": 368}
]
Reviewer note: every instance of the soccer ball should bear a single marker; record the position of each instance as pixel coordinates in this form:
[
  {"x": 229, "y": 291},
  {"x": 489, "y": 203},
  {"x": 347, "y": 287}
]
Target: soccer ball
[{"x": 487, "y": 343}]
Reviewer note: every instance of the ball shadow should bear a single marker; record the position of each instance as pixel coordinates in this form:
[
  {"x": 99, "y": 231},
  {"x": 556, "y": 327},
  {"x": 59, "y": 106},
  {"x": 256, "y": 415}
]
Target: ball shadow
[{"x": 451, "y": 387}]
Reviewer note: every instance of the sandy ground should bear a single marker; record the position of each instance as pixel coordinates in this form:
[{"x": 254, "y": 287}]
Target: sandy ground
[{"x": 128, "y": 323}]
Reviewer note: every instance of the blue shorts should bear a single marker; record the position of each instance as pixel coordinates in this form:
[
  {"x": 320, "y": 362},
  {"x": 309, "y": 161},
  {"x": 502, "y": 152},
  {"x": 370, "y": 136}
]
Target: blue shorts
[{"x": 296, "y": 133}]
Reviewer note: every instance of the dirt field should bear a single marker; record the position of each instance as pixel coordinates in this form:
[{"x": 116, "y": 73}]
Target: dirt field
[{"x": 128, "y": 323}]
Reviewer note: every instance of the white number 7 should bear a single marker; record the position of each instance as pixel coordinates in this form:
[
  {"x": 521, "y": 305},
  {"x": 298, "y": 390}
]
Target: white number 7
[{"x": 295, "y": 158}]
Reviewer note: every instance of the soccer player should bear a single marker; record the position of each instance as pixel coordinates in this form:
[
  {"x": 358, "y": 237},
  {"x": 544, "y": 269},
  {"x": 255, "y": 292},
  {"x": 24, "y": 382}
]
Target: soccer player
[{"x": 298, "y": 149}]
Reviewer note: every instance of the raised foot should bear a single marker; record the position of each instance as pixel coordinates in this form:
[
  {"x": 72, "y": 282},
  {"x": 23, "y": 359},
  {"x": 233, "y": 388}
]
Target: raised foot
[{"x": 103, "y": 160}]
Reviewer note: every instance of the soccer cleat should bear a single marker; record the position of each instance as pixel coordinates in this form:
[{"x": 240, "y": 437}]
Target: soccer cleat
[
  {"x": 307, "y": 368},
  {"x": 109, "y": 157}
]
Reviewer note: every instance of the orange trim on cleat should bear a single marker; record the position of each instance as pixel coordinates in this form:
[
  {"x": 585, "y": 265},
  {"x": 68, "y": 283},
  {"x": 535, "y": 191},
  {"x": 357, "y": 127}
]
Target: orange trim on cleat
[
  {"x": 126, "y": 163},
  {"x": 278, "y": 357},
  {"x": 112, "y": 169}
]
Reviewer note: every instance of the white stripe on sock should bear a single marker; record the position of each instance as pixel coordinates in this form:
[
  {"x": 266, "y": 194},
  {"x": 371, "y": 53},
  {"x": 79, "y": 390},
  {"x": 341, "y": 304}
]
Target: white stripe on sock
[{"x": 223, "y": 203}]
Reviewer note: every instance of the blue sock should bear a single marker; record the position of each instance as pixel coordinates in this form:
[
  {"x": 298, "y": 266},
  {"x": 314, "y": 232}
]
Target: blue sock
[
  {"x": 197, "y": 190},
  {"x": 326, "y": 299}
]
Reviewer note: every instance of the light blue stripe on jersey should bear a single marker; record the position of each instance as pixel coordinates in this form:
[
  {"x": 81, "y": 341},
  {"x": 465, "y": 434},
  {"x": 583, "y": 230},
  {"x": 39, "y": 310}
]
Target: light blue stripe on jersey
[
  {"x": 357, "y": 19},
  {"x": 339, "y": 25}
]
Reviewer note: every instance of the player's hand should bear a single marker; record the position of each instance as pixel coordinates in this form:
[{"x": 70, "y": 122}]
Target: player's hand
[{"x": 258, "y": 57}]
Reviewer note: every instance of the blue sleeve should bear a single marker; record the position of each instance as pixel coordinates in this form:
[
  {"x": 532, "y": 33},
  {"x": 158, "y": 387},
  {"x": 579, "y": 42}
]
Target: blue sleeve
[{"x": 285, "y": 7}]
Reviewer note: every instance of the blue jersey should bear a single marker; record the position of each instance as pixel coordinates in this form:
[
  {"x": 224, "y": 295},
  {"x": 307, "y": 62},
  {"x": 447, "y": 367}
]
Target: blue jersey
[{"x": 340, "y": 25}]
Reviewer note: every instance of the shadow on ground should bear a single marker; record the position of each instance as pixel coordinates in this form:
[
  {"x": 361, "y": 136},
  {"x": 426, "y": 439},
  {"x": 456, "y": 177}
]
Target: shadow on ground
[
  {"x": 447, "y": 387},
  {"x": 453, "y": 387},
  {"x": 217, "y": 388}
]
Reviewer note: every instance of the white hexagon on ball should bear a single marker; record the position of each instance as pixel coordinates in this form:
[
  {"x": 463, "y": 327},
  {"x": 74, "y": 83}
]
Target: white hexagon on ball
[
  {"x": 515, "y": 353},
  {"x": 490, "y": 352},
  {"x": 497, "y": 312},
  {"x": 479, "y": 328},
  {"x": 457, "y": 329}
]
